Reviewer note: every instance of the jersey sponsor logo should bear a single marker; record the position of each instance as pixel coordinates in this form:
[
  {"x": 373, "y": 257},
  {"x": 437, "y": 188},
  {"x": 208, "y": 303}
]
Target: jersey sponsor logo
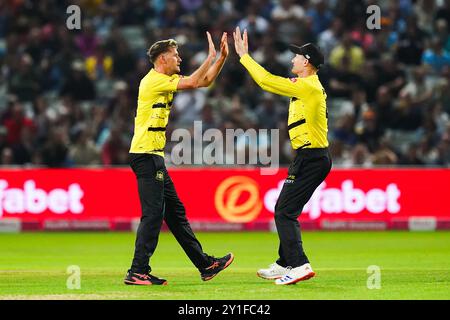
[
  {"x": 237, "y": 199},
  {"x": 290, "y": 179},
  {"x": 159, "y": 175}
]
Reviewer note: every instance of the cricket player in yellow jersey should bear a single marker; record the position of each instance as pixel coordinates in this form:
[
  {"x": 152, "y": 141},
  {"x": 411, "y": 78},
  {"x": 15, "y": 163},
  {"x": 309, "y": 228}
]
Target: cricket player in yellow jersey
[
  {"x": 308, "y": 127},
  {"x": 159, "y": 200}
]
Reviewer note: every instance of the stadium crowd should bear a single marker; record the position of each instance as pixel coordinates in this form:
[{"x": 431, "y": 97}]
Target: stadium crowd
[{"x": 68, "y": 97}]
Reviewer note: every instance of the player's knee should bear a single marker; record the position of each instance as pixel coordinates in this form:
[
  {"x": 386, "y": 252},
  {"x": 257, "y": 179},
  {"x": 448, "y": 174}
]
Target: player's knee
[{"x": 285, "y": 212}]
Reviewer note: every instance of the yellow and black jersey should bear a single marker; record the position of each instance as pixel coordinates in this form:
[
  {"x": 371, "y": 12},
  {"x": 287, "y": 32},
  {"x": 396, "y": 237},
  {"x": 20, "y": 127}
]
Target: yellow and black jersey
[
  {"x": 308, "y": 117},
  {"x": 155, "y": 100}
]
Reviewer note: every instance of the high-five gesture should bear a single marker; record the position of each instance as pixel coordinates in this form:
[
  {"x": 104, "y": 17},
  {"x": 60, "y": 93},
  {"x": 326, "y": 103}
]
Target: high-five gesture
[
  {"x": 240, "y": 43},
  {"x": 224, "y": 45},
  {"x": 212, "y": 49},
  {"x": 209, "y": 70}
]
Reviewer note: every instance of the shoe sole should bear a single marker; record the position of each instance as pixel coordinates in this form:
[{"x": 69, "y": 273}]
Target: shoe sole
[
  {"x": 226, "y": 265},
  {"x": 268, "y": 278},
  {"x": 143, "y": 283},
  {"x": 308, "y": 276}
]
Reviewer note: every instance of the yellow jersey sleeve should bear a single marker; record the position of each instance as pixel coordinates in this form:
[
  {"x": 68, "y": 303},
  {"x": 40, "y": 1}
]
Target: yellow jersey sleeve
[
  {"x": 163, "y": 83},
  {"x": 272, "y": 83}
]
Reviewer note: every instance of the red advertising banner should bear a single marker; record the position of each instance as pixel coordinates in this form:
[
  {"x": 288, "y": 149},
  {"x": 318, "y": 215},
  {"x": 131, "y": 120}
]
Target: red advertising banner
[{"x": 233, "y": 196}]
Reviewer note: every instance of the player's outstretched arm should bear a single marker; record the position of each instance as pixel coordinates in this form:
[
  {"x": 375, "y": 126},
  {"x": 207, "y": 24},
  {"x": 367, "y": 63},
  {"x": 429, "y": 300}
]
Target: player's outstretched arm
[
  {"x": 215, "y": 69},
  {"x": 266, "y": 80},
  {"x": 240, "y": 44},
  {"x": 197, "y": 77}
]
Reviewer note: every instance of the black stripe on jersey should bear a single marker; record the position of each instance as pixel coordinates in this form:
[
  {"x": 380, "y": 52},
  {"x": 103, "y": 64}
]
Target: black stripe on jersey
[
  {"x": 296, "y": 124},
  {"x": 159, "y": 150},
  {"x": 156, "y": 129},
  {"x": 305, "y": 145},
  {"x": 159, "y": 105}
]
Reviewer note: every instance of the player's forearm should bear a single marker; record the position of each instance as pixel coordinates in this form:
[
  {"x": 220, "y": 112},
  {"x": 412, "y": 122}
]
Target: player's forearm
[
  {"x": 257, "y": 72},
  {"x": 266, "y": 80},
  {"x": 198, "y": 75},
  {"x": 213, "y": 72}
]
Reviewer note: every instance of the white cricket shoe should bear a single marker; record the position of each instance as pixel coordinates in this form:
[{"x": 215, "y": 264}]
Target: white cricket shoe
[
  {"x": 295, "y": 275},
  {"x": 275, "y": 271}
]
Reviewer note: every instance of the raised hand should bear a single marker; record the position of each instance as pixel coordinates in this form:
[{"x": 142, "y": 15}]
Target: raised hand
[
  {"x": 212, "y": 49},
  {"x": 224, "y": 45},
  {"x": 240, "y": 43}
]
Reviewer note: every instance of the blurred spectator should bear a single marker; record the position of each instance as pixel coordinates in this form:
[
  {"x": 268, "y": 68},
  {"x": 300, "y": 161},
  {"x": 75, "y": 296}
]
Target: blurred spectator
[
  {"x": 411, "y": 43},
  {"x": 84, "y": 151},
  {"x": 115, "y": 149},
  {"x": 24, "y": 81},
  {"x": 339, "y": 153},
  {"x": 384, "y": 157},
  {"x": 436, "y": 57},
  {"x": 442, "y": 32},
  {"x": 342, "y": 79},
  {"x": 443, "y": 12},
  {"x": 54, "y": 152},
  {"x": 3, "y": 135},
  {"x": 88, "y": 41},
  {"x": 99, "y": 64},
  {"x": 347, "y": 53},
  {"x": 418, "y": 90},
  {"x": 384, "y": 109},
  {"x": 189, "y": 105},
  {"x": 267, "y": 112},
  {"x": 360, "y": 157},
  {"x": 254, "y": 23},
  {"x": 191, "y": 5},
  {"x": 369, "y": 132},
  {"x": 345, "y": 130},
  {"x": 357, "y": 105},
  {"x": 7, "y": 157},
  {"x": 208, "y": 119},
  {"x": 362, "y": 36},
  {"x": 424, "y": 9},
  {"x": 124, "y": 60},
  {"x": 78, "y": 85},
  {"x": 289, "y": 18},
  {"x": 15, "y": 122},
  {"x": 411, "y": 157},
  {"x": 443, "y": 153},
  {"x": 329, "y": 38},
  {"x": 321, "y": 16},
  {"x": 443, "y": 94},
  {"x": 23, "y": 150},
  {"x": 390, "y": 74}
]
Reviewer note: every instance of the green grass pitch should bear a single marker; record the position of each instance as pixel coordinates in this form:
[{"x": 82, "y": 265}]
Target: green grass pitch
[{"x": 414, "y": 265}]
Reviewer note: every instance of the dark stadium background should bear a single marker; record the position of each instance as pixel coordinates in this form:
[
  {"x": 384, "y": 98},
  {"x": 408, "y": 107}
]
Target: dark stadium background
[{"x": 68, "y": 97}]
